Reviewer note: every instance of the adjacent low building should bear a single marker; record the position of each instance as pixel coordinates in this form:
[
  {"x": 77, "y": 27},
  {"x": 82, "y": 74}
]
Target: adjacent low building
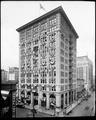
[
  {"x": 8, "y": 97},
  {"x": 14, "y": 73},
  {"x": 14, "y": 76},
  {"x": 85, "y": 71},
  {"x": 4, "y": 75}
]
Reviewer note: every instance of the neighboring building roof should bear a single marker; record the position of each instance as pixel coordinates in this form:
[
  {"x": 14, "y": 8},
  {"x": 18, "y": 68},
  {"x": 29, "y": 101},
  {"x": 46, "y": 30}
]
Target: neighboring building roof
[
  {"x": 84, "y": 57},
  {"x": 58, "y": 9},
  {"x": 9, "y": 82},
  {"x": 80, "y": 57}
]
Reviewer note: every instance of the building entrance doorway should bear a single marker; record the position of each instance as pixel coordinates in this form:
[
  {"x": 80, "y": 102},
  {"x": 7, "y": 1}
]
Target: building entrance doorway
[
  {"x": 43, "y": 101},
  {"x": 62, "y": 101},
  {"x": 35, "y": 98},
  {"x": 52, "y": 101}
]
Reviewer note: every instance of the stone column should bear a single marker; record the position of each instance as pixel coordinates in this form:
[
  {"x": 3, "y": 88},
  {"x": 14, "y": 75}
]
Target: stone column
[
  {"x": 68, "y": 98},
  {"x": 76, "y": 94},
  {"x": 73, "y": 96},
  {"x": 58, "y": 101},
  {"x": 64, "y": 101},
  {"x": 25, "y": 91},
  {"x": 31, "y": 99},
  {"x": 25, "y": 94},
  {"x": 20, "y": 93},
  {"x": 39, "y": 96},
  {"x": 47, "y": 101}
]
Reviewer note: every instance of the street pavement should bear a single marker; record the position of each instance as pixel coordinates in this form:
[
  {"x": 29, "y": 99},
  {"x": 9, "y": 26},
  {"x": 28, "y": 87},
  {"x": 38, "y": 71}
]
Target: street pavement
[
  {"x": 80, "y": 110},
  {"x": 23, "y": 113}
]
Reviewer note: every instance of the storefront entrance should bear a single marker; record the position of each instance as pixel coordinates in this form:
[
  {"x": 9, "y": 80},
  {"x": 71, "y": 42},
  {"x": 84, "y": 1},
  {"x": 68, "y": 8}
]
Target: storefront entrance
[
  {"x": 52, "y": 101},
  {"x": 43, "y": 101},
  {"x": 35, "y": 98}
]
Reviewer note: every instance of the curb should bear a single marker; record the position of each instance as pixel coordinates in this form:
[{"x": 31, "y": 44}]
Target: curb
[{"x": 45, "y": 113}]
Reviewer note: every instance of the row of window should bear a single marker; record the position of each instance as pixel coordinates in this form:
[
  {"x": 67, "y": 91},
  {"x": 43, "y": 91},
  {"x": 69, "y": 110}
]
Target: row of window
[
  {"x": 52, "y": 29},
  {"x": 52, "y": 80},
  {"x": 35, "y": 80},
  {"x": 51, "y": 88},
  {"x": 42, "y": 67},
  {"x": 66, "y": 67},
  {"x": 35, "y": 40},
  {"x": 35, "y": 54},
  {"x": 44, "y": 80},
  {"x": 62, "y": 74},
  {"x": 62, "y": 44},
  {"x": 52, "y": 73}
]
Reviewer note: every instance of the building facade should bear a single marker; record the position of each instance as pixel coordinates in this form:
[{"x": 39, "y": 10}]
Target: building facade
[
  {"x": 85, "y": 71},
  {"x": 48, "y": 60},
  {"x": 4, "y": 75},
  {"x": 80, "y": 88}
]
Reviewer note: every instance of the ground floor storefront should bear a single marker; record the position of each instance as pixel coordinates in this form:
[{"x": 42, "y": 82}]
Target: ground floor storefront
[{"x": 48, "y": 100}]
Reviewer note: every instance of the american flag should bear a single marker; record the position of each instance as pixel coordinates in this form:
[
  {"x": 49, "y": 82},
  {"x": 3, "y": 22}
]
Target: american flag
[{"x": 41, "y": 7}]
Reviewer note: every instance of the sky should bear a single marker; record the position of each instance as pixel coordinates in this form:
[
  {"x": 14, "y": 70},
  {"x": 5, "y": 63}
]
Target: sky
[{"x": 15, "y": 14}]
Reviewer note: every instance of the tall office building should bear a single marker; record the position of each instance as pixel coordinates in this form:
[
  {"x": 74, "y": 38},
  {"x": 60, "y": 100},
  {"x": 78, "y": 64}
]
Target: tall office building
[
  {"x": 85, "y": 71},
  {"x": 48, "y": 60}
]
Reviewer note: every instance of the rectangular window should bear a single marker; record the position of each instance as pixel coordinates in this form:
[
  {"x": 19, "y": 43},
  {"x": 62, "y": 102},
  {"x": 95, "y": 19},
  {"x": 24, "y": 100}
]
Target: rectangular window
[
  {"x": 50, "y": 73},
  {"x": 66, "y": 87},
  {"x": 66, "y": 74},
  {"x": 66, "y": 54},
  {"x": 35, "y": 35},
  {"x": 62, "y": 37},
  {"x": 66, "y": 68},
  {"x": 52, "y": 29},
  {"x": 66, "y": 48},
  {"x": 35, "y": 30},
  {"x": 66, "y": 80},
  {"x": 43, "y": 26},
  {"x": 66, "y": 41},
  {"x": 23, "y": 80},
  {"x": 52, "y": 21},
  {"x": 54, "y": 88},
  {"x": 62, "y": 44},
  {"x": 62, "y": 88},
  {"x": 62, "y": 74},
  {"x": 62, "y": 59},
  {"x": 28, "y": 33},
  {"x": 62, "y": 66},
  {"x": 62, "y": 80},
  {"x": 61, "y": 52},
  {"x": 54, "y": 73},
  {"x": 66, "y": 61}
]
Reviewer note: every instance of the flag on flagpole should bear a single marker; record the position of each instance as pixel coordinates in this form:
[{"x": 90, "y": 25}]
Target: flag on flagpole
[{"x": 41, "y": 7}]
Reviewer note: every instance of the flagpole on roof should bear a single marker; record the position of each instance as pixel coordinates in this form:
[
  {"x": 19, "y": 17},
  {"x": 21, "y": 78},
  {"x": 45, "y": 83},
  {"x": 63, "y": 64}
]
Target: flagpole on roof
[{"x": 41, "y": 8}]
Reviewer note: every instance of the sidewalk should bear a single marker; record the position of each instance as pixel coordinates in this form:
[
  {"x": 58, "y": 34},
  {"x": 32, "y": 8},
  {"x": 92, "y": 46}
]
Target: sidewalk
[{"x": 51, "y": 112}]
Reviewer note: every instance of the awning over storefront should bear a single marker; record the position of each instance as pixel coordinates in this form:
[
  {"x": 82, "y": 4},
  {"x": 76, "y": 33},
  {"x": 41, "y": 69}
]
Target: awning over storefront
[{"x": 4, "y": 94}]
